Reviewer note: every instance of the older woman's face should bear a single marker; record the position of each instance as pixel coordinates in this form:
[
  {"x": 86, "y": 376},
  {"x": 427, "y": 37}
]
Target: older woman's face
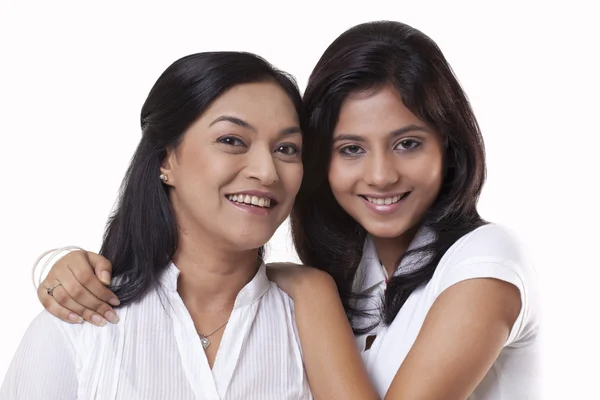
[{"x": 238, "y": 168}]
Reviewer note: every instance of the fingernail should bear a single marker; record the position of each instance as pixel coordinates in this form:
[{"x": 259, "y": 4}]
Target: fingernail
[
  {"x": 112, "y": 317},
  {"x": 114, "y": 301},
  {"x": 105, "y": 276},
  {"x": 75, "y": 318},
  {"x": 98, "y": 320}
]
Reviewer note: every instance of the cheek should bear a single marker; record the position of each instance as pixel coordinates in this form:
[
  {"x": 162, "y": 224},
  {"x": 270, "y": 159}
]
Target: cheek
[
  {"x": 201, "y": 174},
  {"x": 343, "y": 179},
  {"x": 291, "y": 177},
  {"x": 338, "y": 178},
  {"x": 429, "y": 173}
]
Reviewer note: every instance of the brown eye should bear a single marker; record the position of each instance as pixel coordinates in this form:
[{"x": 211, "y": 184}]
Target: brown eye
[
  {"x": 351, "y": 150},
  {"x": 288, "y": 149},
  {"x": 407, "y": 144},
  {"x": 231, "y": 141}
]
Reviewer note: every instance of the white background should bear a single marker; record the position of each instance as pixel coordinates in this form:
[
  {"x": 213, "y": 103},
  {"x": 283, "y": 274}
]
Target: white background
[{"x": 73, "y": 78}]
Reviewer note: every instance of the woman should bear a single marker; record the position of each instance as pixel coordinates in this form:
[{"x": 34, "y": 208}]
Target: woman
[
  {"x": 221, "y": 148},
  {"x": 442, "y": 303}
]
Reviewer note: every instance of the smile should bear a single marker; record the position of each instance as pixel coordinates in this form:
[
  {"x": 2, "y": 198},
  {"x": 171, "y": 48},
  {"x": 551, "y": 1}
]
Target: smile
[
  {"x": 253, "y": 202},
  {"x": 384, "y": 204},
  {"x": 262, "y": 202}
]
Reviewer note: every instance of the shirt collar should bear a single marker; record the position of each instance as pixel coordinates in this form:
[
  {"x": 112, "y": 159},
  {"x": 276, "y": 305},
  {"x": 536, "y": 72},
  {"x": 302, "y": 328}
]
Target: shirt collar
[
  {"x": 248, "y": 295},
  {"x": 371, "y": 272}
]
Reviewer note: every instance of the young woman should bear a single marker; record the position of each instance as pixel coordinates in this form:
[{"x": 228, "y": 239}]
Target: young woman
[
  {"x": 443, "y": 304},
  {"x": 221, "y": 147}
]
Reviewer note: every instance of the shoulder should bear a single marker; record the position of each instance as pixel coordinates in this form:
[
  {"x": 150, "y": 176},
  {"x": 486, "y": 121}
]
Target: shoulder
[
  {"x": 493, "y": 251},
  {"x": 277, "y": 305},
  {"x": 83, "y": 339},
  {"x": 490, "y": 242},
  {"x": 44, "y": 365},
  {"x": 47, "y": 325},
  {"x": 275, "y": 296},
  {"x": 47, "y": 337}
]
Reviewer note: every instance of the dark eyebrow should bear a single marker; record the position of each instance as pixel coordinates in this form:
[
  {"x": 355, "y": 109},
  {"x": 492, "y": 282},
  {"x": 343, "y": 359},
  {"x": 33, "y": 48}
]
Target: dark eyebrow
[
  {"x": 240, "y": 122},
  {"x": 407, "y": 129},
  {"x": 392, "y": 134},
  {"x": 233, "y": 120},
  {"x": 290, "y": 131}
]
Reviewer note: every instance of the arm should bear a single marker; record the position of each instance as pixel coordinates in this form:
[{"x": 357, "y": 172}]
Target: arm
[
  {"x": 333, "y": 364},
  {"x": 43, "y": 366},
  {"x": 81, "y": 295},
  {"x": 459, "y": 341}
]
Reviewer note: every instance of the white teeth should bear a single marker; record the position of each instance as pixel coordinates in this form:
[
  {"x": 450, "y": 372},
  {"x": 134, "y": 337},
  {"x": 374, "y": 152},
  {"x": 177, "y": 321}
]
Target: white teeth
[
  {"x": 264, "y": 202},
  {"x": 383, "y": 201}
]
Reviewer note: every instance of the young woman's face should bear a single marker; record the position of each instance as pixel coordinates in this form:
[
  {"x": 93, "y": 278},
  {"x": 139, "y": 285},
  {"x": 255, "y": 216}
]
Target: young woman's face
[
  {"x": 387, "y": 165},
  {"x": 238, "y": 168}
]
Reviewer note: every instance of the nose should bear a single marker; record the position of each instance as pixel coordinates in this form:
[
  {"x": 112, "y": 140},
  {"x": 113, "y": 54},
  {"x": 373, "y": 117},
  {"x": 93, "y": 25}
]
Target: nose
[
  {"x": 381, "y": 171},
  {"x": 261, "y": 166}
]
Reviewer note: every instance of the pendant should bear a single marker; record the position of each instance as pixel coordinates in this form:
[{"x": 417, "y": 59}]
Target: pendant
[{"x": 205, "y": 342}]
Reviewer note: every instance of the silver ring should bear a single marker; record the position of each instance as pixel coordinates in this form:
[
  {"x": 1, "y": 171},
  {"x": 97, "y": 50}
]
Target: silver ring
[{"x": 51, "y": 289}]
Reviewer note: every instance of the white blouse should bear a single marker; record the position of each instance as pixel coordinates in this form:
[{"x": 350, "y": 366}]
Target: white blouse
[
  {"x": 154, "y": 352},
  {"x": 490, "y": 251}
]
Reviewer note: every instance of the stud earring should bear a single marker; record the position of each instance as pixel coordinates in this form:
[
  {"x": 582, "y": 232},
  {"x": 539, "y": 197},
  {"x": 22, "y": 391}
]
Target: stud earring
[{"x": 163, "y": 178}]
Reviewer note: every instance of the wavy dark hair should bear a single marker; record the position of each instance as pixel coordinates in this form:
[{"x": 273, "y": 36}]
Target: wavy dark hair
[
  {"x": 141, "y": 235},
  {"x": 370, "y": 56}
]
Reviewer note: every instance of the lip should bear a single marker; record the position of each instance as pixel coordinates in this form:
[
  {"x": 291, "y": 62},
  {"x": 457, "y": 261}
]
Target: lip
[
  {"x": 383, "y": 196},
  {"x": 385, "y": 208},
  {"x": 252, "y": 209}
]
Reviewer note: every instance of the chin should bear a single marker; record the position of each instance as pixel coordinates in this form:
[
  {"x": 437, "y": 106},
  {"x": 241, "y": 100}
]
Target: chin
[
  {"x": 251, "y": 242},
  {"x": 388, "y": 230}
]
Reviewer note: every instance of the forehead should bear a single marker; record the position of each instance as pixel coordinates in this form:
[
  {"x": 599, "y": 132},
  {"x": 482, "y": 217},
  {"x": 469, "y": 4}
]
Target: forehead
[
  {"x": 261, "y": 103},
  {"x": 374, "y": 111}
]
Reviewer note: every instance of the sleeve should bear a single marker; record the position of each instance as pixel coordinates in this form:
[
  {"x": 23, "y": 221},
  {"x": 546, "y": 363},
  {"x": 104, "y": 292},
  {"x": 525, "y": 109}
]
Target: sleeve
[
  {"x": 494, "y": 252},
  {"x": 44, "y": 366}
]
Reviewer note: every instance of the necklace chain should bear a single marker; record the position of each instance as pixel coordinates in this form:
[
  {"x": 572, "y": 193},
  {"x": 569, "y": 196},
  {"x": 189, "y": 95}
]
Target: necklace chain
[{"x": 215, "y": 331}]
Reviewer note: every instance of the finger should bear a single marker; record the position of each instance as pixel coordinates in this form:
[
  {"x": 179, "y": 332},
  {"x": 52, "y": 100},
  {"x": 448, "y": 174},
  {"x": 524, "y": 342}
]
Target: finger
[
  {"x": 98, "y": 319},
  {"x": 76, "y": 297},
  {"x": 102, "y": 267},
  {"x": 52, "y": 306},
  {"x": 79, "y": 293},
  {"x": 80, "y": 269},
  {"x": 62, "y": 297}
]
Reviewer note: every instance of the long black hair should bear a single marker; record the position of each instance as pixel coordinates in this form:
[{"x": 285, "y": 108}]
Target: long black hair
[
  {"x": 141, "y": 235},
  {"x": 370, "y": 56}
]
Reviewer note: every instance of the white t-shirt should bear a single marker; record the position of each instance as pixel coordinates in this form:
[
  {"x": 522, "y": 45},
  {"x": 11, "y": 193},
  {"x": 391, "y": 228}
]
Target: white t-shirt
[
  {"x": 154, "y": 352},
  {"x": 490, "y": 251}
]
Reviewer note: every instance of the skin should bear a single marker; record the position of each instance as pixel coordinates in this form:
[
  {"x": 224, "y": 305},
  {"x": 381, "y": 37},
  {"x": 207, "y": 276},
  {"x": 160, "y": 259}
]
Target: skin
[{"x": 382, "y": 149}]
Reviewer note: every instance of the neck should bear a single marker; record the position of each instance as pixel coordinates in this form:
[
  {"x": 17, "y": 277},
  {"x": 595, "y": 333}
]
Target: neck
[
  {"x": 210, "y": 278},
  {"x": 389, "y": 250}
]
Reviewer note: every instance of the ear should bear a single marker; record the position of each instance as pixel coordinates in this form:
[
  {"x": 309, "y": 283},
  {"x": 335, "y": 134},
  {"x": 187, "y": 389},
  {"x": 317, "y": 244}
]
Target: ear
[{"x": 168, "y": 166}]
